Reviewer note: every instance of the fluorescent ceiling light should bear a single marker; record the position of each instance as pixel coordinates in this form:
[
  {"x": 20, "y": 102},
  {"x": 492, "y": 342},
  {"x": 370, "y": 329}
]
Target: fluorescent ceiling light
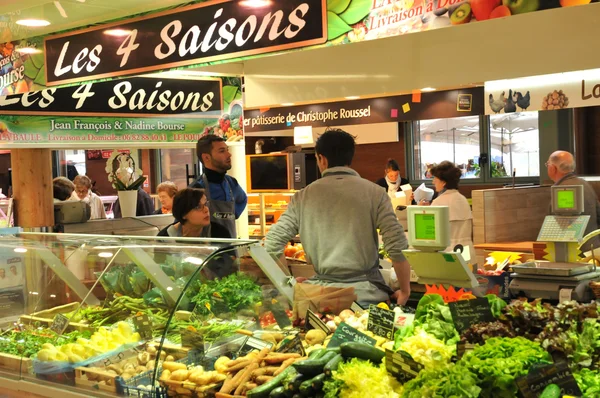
[
  {"x": 427, "y": 89},
  {"x": 33, "y": 23},
  {"x": 255, "y": 3},
  {"x": 105, "y": 254},
  {"x": 353, "y": 97},
  {"x": 193, "y": 260},
  {"x": 20, "y": 250},
  {"x": 117, "y": 32},
  {"x": 29, "y": 50}
]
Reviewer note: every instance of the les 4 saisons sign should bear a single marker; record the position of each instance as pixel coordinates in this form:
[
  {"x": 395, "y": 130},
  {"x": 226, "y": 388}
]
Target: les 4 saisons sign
[{"x": 199, "y": 33}]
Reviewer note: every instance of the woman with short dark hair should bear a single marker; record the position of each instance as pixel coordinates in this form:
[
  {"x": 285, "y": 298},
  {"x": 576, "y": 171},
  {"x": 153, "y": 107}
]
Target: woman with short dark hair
[
  {"x": 446, "y": 177},
  {"x": 192, "y": 217}
]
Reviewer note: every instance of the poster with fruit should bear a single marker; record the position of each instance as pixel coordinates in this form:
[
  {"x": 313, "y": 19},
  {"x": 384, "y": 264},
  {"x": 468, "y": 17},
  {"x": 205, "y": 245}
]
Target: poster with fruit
[
  {"x": 543, "y": 93},
  {"x": 230, "y": 125},
  {"x": 21, "y": 66}
]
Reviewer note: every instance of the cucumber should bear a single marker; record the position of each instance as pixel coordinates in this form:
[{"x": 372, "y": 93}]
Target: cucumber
[
  {"x": 551, "y": 391},
  {"x": 318, "y": 382},
  {"x": 306, "y": 388},
  {"x": 334, "y": 349},
  {"x": 315, "y": 354},
  {"x": 294, "y": 384},
  {"x": 264, "y": 390},
  {"x": 313, "y": 367},
  {"x": 351, "y": 349},
  {"x": 333, "y": 364},
  {"x": 279, "y": 392}
]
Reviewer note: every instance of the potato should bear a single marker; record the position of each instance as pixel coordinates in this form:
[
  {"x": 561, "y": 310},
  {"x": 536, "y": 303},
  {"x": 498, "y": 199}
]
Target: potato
[
  {"x": 151, "y": 350},
  {"x": 173, "y": 366},
  {"x": 170, "y": 358},
  {"x": 140, "y": 369},
  {"x": 315, "y": 336},
  {"x": 183, "y": 391},
  {"x": 221, "y": 364},
  {"x": 151, "y": 364},
  {"x": 179, "y": 375},
  {"x": 165, "y": 375}
]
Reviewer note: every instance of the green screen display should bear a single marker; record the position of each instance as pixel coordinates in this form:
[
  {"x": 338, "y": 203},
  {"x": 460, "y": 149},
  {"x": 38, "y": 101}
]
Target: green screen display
[
  {"x": 425, "y": 226},
  {"x": 565, "y": 199}
]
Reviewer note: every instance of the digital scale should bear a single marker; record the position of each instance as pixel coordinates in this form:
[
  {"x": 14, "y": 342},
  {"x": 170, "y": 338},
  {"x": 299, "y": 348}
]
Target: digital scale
[{"x": 560, "y": 278}]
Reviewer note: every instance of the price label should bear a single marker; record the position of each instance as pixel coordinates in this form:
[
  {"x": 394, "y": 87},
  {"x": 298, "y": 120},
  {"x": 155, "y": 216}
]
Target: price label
[
  {"x": 251, "y": 344},
  {"x": 539, "y": 377},
  {"x": 292, "y": 345},
  {"x": 356, "y": 308},
  {"x": 466, "y": 313},
  {"x": 401, "y": 365},
  {"x": 59, "y": 324},
  {"x": 312, "y": 321},
  {"x": 190, "y": 338},
  {"x": 143, "y": 325},
  {"x": 462, "y": 348},
  {"x": 381, "y": 322},
  {"x": 116, "y": 358},
  {"x": 345, "y": 332}
]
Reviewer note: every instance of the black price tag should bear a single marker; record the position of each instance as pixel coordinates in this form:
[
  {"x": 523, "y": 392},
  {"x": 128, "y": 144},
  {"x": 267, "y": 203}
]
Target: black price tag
[
  {"x": 462, "y": 348},
  {"x": 59, "y": 324},
  {"x": 356, "y": 308},
  {"x": 251, "y": 344},
  {"x": 381, "y": 322},
  {"x": 539, "y": 377},
  {"x": 292, "y": 345},
  {"x": 466, "y": 313},
  {"x": 312, "y": 321},
  {"x": 345, "y": 332},
  {"x": 143, "y": 326},
  {"x": 281, "y": 317},
  {"x": 190, "y": 338},
  {"x": 401, "y": 365}
]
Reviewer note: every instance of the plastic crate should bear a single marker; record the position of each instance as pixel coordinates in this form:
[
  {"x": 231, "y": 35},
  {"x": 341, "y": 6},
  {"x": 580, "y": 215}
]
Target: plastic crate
[{"x": 130, "y": 388}]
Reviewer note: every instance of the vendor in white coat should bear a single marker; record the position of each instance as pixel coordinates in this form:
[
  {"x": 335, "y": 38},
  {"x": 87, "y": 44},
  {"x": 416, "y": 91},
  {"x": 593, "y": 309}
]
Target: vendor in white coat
[
  {"x": 445, "y": 180},
  {"x": 83, "y": 192}
]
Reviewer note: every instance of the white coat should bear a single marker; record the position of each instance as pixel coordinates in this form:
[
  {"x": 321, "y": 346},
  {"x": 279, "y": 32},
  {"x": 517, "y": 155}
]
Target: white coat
[
  {"x": 461, "y": 220},
  {"x": 96, "y": 205}
]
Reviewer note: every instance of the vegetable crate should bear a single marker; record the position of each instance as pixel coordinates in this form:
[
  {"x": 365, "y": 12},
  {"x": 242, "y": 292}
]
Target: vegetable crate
[
  {"x": 46, "y": 317},
  {"x": 94, "y": 379},
  {"x": 14, "y": 363},
  {"x": 132, "y": 388}
]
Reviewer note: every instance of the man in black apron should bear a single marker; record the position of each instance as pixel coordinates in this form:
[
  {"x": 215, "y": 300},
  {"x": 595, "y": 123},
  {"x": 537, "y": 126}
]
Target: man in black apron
[
  {"x": 227, "y": 200},
  {"x": 338, "y": 217}
]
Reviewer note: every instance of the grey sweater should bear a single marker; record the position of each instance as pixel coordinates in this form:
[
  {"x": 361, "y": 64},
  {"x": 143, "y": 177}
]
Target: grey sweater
[{"x": 337, "y": 217}]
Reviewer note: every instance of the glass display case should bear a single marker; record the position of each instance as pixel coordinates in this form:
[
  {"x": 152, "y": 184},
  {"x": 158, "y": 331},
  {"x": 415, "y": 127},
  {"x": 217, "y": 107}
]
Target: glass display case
[
  {"x": 264, "y": 209},
  {"x": 100, "y": 315}
]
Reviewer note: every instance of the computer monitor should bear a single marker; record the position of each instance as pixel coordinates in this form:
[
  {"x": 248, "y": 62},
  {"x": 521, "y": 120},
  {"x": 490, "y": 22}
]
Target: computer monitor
[
  {"x": 428, "y": 227},
  {"x": 567, "y": 199}
]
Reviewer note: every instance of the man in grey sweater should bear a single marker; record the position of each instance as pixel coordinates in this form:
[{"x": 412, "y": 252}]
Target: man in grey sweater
[
  {"x": 561, "y": 170},
  {"x": 338, "y": 217}
]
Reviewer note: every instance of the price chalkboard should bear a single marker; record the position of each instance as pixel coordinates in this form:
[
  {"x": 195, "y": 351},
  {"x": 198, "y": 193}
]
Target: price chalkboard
[
  {"x": 381, "y": 322},
  {"x": 251, "y": 344},
  {"x": 59, "y": 324},
  {"x": 345, "y": 332},
  {"x": 143, "y": 325},
  {"x": 466, "y": 313},
  {"x": 539, "y": 377},
  {"x": 292, "y": 345},
  {"x": 401, "y": 365},
  {"x": 312, "y": 321},
  {"x": 192, "y": 339}
]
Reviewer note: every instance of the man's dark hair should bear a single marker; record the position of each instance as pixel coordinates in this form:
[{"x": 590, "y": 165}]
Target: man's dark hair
[
  {"x": 185, "y": 201},
  {"x": 447, "y": 172},
  {"x": 392, "y": 165},
  {"x": 204, "y": 145},
  {"x": 337, "y": 146},
  {"x": 62, "y": 188}
]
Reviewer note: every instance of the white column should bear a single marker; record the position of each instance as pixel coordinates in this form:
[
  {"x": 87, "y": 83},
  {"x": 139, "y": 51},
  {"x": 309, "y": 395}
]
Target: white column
[{"x": 238, "y": 171}]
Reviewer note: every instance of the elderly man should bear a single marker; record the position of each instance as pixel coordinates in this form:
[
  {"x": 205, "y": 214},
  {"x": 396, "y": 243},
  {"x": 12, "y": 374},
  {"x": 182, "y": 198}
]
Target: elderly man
[{"x": 561, "y": 170}]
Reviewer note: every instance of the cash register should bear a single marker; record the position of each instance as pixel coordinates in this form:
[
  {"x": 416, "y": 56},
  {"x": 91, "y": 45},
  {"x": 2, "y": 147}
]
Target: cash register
[
  {"x": 559, "y": 276},
  {"x": 428, "y": 237}
]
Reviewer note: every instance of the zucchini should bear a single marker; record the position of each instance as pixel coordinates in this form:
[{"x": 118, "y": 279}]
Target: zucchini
[
  {"x": 279, "y": 392},
  {"x": 313, "y": 367},
  {"x": 351, "y": 349},
  {"x": 334, "y": 349},
  {"x": 551, "y": 391},
  {"x": 333, "y": 364},
  {"x": 318, "y": 382},
  {"x": 294, "y": 384},
  {"x": 315, "y": 354},
  {"x": 264, "y": 390},
  {"x": 306, "y": 388}
]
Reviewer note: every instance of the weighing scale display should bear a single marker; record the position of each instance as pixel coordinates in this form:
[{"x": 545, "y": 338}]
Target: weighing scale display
[
  {"x": 563, "y": 229},
  {"x": 425, "y": 226},
  {"x": 565, "y": 199}
]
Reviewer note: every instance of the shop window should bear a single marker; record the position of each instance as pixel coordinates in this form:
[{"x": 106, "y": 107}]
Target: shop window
[
  {"x": 173, "y": 161},
  {"x": 514, "y": 144},
  {"x": 454, "y": 139}
]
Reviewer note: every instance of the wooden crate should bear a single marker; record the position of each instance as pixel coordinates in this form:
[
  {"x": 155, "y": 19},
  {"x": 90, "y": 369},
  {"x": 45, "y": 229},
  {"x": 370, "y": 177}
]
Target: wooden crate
[
  {"x": 14, "y": 363},
  {"x": 46, "y": 317},
  {"x": 82, "y": 375}
]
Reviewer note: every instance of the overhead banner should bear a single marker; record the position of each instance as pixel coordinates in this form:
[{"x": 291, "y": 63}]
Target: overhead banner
[
  {"x": 542, "y": 93},
  {"x": 198, "y": 33},
  {"x": 416, "y": 106},
  {"x": 143, "y": 96}
]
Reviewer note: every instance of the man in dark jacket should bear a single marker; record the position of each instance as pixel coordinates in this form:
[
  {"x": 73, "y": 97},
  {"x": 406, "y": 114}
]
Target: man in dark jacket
[{"x": 227, "y": 200}]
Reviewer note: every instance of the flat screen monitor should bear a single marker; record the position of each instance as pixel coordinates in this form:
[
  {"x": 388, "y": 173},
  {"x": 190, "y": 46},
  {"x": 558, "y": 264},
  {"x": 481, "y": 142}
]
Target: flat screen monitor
[
  {"x": 268, "y": 173},
  {"x": 428, "y": 227},
  {"x": 567, "y": 199}
]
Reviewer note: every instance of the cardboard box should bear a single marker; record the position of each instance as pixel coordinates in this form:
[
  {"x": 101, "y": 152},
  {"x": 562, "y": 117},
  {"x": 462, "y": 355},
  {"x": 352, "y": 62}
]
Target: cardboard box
[
  {"x": 497, "y": 285},
  {"x": 300, "y": 270}
]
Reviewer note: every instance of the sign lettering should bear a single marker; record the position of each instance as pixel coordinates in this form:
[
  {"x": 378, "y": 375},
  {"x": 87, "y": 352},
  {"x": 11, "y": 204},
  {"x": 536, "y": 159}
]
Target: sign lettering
[
  {"x": 381, "y": 322},
  {"x": 195, "y": 34},
  {"x": 345, "y": 332},
  {"x": 466, "y": 313}
]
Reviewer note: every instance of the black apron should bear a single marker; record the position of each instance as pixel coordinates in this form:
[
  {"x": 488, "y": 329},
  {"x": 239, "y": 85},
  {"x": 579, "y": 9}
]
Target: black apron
[{"x": 221, "y": 212}]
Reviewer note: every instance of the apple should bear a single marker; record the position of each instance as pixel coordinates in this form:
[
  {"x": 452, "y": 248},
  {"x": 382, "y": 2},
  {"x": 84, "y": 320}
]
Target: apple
[
  {"x": 483, "y": 8},
  {"x": 521, "y": 6}
]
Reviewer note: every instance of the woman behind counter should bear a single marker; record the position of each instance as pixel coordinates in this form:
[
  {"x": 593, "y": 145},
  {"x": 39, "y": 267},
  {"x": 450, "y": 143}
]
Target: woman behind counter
[
  {"x": 83, "y": 192},
  {"x": 166, "y": 192},
  {"x": 392, "y": 180},
  {"x": 446, "y": 177}
]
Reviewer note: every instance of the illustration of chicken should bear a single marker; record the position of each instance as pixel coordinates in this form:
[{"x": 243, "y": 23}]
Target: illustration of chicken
[
  {"x": 510, "y": 106},
  {"x": 497, "y": 105},
  {"x": 522, "y": 101}
]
